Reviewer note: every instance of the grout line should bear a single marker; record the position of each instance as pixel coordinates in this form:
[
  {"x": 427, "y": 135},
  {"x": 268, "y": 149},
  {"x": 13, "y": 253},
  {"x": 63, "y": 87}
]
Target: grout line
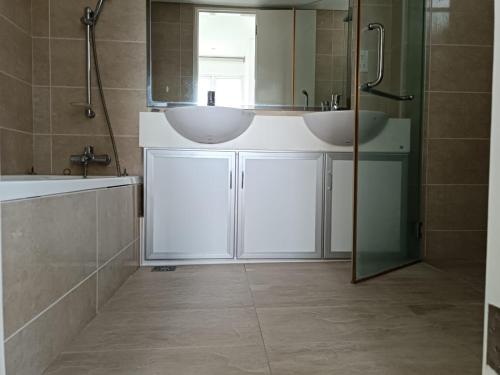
[
  {"x": 14, "y": 77},
  {"x": 16, "y": 130},
  {"x": 101, "y": 40},
  {"x": 51, "y": 153},
  {"x": 50, "y": 307},
  {"x": 105, "y": 88},
  {"x": 15, "y": 24},
  {"x": 458, "y": 230},
  {"x": 258, "y": 320},
  {"x": 456, "y": 139}
]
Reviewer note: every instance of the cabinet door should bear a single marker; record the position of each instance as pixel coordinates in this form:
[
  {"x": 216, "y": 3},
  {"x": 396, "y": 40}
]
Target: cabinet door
[
  {"x": 189, "y": 204},
  {"x": 339, "y": 175},
  {"x": 280, "y": 205}
]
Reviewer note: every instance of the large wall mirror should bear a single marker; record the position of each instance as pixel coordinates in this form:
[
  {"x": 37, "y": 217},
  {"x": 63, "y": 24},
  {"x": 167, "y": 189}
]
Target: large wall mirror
[{"x": 282, "y": 54}]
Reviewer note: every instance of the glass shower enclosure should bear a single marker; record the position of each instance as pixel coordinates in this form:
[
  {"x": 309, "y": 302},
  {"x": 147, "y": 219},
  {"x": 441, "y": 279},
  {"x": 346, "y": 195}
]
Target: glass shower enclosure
[{"x": 389, "y": 88}]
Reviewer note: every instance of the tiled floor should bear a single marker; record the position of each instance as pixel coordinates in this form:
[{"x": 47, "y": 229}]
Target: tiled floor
[{"x": 282, "y": 319}]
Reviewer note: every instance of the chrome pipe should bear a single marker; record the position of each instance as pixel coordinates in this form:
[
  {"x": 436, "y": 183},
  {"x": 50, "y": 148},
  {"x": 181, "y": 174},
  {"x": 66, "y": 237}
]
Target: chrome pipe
[
  {"x": 97, "y": 11},
  {"x": 87, "y": 20}
]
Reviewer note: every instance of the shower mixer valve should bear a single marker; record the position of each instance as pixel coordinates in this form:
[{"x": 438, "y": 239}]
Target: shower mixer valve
[{"x": 88, "y": 157}]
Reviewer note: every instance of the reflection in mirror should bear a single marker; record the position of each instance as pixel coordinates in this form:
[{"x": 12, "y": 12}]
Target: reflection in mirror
[{"x": 288, "y": 54}]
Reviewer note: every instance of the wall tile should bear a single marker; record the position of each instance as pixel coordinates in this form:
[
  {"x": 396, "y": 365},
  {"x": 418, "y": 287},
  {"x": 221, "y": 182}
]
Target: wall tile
[
  {"x": 187, "y": 13},
  {"x": 15, "y": 104},
  {"x": 65, "y": 18},
  {"x": 450, "y": 246},
  {"x": 463, "y": 22},
  {"x": 16, "y": 152},
  {"x": 116, "y": 272},
  {"x": 458, "y": 161},
  {"x": 40, "y": 18},
  {"x": 165, "y": 12},
  {"x": 42, "y": 148},
  {"x": 15, "y": 45},
  {"x": 68, "y": 62},
  {"x": 41, "y": 110},
  {"x": 41, "y": 61},
  {"x": 324, "y": 19},
  {"x": 123, "y": 20},
  {"x": 451, "y": 68},
  {"x": 35, "y": 347},
  {"x": 459, "y": 115},
  {"x": 18, "y": 11},
  {"x": 123, "y": 65},
  {"x": 45, "y": 256},
  {"x": 457, "y": 207}
]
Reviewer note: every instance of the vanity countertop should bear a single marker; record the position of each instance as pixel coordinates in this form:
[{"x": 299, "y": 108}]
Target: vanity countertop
[{"x": 270, "y": 133}]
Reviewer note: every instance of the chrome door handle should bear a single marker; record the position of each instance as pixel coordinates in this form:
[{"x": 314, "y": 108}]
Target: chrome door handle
[
  {"x": 230, "y": 180},
  {"x": 381, "y": 58},
  {"x": 242, "y": 179},
  {"x": 330, "y": 181}
]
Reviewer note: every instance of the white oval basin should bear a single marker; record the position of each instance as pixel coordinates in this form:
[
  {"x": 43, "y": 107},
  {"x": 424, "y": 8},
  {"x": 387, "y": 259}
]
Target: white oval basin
[
  {"x": 337, "y": 127},
  {"x": 209, "y": 124}
]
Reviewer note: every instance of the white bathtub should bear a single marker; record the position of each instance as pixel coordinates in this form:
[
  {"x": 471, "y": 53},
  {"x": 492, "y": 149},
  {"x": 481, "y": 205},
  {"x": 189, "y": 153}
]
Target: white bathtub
[{"x": 22, "y": 187}]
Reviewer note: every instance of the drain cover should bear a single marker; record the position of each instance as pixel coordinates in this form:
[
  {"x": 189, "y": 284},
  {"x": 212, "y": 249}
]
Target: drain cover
[{"x": 163, "y": 268}]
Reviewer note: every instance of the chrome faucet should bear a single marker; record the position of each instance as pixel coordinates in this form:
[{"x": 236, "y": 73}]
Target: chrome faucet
[{"x": 88, "y": 157}]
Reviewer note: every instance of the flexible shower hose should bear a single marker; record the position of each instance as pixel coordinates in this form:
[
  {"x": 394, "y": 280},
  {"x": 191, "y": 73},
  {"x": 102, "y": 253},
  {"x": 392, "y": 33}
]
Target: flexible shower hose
[{"x": 103, "y": 100}]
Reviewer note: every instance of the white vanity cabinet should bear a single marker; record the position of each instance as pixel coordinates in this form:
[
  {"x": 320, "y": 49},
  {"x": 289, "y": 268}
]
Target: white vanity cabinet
[
  {"x": 280, "y": 205},
  {"x": 339, "y": 181},
  {"x": 190, "y": 203}
]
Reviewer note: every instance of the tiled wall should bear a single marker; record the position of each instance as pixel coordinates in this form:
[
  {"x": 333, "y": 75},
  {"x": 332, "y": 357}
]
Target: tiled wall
[
  {"x": 63, "y": 257},
  {"x": 456, "y": 149},
  {"x": 172, "y": 28},
  {"x": 16, "y": 140},
  {"x": 331, "y": 51},
  {"x": 60, "y": 128}
]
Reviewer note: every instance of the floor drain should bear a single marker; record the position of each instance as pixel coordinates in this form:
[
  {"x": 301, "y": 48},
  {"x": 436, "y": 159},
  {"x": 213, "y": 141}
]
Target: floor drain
[{"x": 163, "y": 268}]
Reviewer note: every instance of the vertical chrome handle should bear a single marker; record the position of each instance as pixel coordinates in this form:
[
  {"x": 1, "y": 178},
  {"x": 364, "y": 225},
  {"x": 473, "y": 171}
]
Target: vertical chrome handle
[
  {"x": 330, "y": 181},
  {"x": 381, "y": 58},
  {"x": 242, "y": 179},
  {"x": 231, "y": 180}
]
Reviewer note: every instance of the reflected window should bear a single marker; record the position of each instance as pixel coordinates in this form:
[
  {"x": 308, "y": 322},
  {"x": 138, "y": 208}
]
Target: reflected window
[{"x": 226, "y": 57}]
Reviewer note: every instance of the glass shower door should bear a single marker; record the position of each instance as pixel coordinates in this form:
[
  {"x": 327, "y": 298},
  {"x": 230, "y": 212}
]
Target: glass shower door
[{"x": 390, "y": 59}]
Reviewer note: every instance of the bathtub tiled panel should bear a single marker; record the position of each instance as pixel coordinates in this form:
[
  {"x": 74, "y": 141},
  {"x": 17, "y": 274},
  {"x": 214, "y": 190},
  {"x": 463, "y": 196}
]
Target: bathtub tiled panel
[
  {"x": 53, "y": 283},
  {"x": 48, "y": 246},
  {"x": 32, "y": 350},
  {"x": 115, "y": 208},
  {"x": 113, "y": 274}
]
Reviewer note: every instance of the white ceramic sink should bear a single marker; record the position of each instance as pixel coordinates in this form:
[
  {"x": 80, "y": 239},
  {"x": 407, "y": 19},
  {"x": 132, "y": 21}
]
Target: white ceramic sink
[
  {"x": 337, "y": 127},
  {"x": 209, "y": 124}
]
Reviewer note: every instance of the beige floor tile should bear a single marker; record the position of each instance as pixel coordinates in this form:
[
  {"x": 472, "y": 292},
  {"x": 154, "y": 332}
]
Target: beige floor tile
[
  {"x": 195, "y": 361},
  {"x": 176, "y": 328}
]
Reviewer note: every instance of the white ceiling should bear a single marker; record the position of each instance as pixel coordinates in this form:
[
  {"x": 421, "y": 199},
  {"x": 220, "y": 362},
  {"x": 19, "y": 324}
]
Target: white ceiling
[{"x": 309, "y": 4}]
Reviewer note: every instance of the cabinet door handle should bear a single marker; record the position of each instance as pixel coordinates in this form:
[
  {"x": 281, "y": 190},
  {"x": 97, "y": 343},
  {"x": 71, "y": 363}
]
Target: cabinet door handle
[
  {"x": 231, "y": 180},
  {"x": 242, "y": 179},
  {"x": 330, "y": 180}
]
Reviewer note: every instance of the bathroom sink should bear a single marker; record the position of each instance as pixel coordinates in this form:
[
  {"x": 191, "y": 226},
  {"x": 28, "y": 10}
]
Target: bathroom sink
[
  {"x": 209, "y": 124},
  {"x": 337, "y": 127}
]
